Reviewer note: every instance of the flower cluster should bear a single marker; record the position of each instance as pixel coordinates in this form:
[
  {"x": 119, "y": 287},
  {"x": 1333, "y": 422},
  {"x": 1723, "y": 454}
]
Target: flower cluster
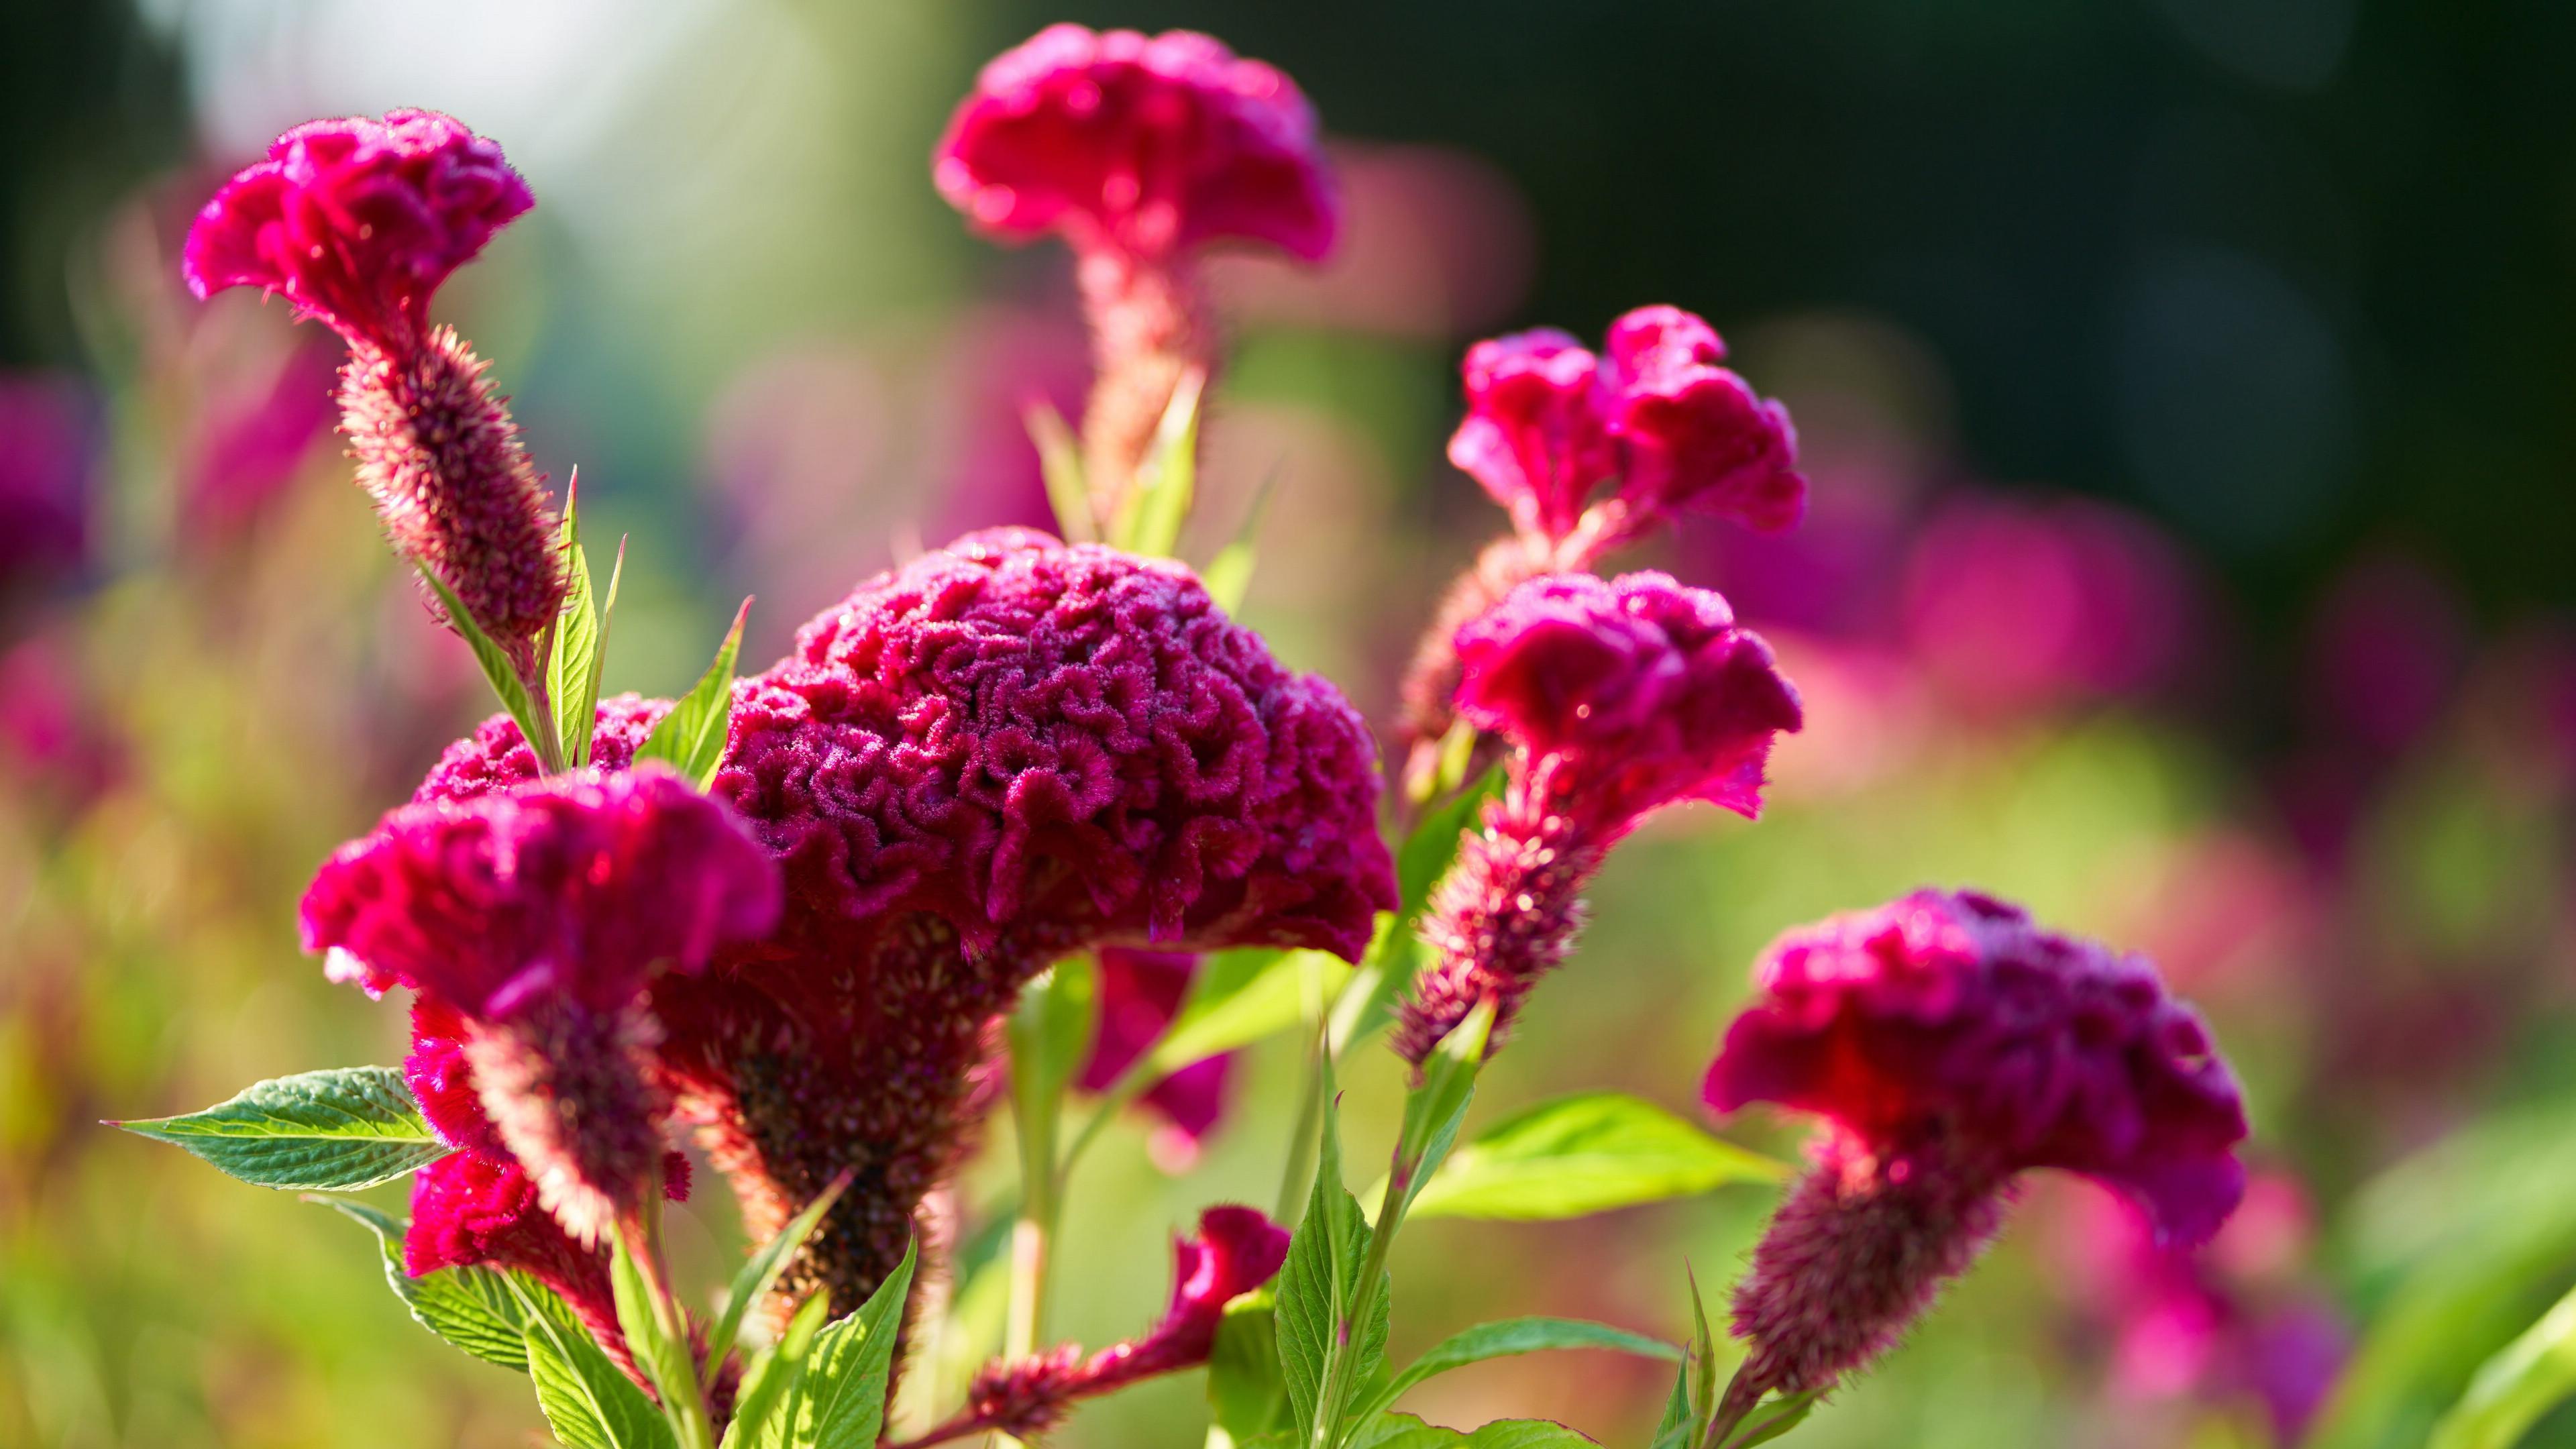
[
  {"x": 1950, "y": 1044},
  {"x": 1618, "y": 698},
  {"x": 357, "y": 222}
]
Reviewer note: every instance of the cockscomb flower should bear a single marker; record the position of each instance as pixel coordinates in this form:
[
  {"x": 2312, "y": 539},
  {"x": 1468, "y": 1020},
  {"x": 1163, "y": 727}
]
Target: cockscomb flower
[
  {"x": 538, "y": 916},
  {"x": 1949, "y": 1044},
  {"x": 1140, "y": 994},
  {"x": 1002, "y": 753},
  {"x": 1139, "y": 151},
  {"x": 1235, "y": 1250},
  {"x": 356, "y": 222},
  {"x": 1617, "y": 698},
  {"x": 1655, "y": 418}
]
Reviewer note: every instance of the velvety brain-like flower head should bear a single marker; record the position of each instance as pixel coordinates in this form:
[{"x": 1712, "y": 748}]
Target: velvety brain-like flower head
[
  {"x": 1014, "y": 727},
  {"x": 1627, "y": 694},
  {"x": 2040, "y": 1050},
  {"x": 1146, "y": 145},
  {"x": 358, "y": 221}
]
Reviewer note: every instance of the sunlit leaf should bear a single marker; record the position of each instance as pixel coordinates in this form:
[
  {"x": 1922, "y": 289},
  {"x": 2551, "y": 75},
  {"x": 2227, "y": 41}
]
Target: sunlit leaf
[
  {"x": 471, "y": 1308},
  {"x": 535, "y": 726},
  {"x": 328, "y": 1131},
  {"x": 839, "y": 1402},
  {"x": 691, "y": 738},
  {"x": 1582, "y": 1154},
  {"x": 1060, "y": 461},
  {"x": 765, "y": 1384},
  {"x": 760, "y": 1271},
  {"x": 587, "y": 1402},
  {"x": 1514, "y": 1336}
]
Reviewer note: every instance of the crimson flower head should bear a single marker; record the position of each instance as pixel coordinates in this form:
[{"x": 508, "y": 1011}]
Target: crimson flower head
[
  {"x": 1148, "y": 146},
  {"x": 530, "y": 921},
  {"x": 1626, "y": 695},
  {"x": 1549, "y": 422},
  {"x": 1952, "y": 1044},
  {"x": 357, "y": 221}
]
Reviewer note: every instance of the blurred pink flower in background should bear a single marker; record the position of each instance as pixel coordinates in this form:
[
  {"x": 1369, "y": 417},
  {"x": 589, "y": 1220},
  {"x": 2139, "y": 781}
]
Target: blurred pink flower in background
[
  {"x": 249, "y": 440},
  {"x": 1140, "y": 993},
  {"x": 996, "y": 364},
  {"x": 2385, "y": 648},
  {"x": 52, "y": 732},
  {"x": 46, "y": 468}
]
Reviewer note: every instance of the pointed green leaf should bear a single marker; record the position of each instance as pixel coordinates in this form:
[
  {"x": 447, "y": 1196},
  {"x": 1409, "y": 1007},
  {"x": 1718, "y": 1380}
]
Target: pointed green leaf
[
  {"x": 665, "y": 1357},
  {"x": 840, "y": 1401},
  {"x": 1320, "y": 1286},
  {"x": 535, "y": 726},
  {"x": 760, "y": 1272},
  {"x": 1403, "y": 1431},
  {"x": 1511, "y": 1336},
  {"x": 1242, "y": 997},
  {"x": 471, "y": 1308},
  {"x": 2529, "y": 1377},
  {"x": 329, "y": 1131},
  {"x": 1703, "y": 1364},
  {"x": 1434, "y": 1110},
  {"x": 773, "y": 1372},
  {"x": 1228, "y": 576},
  {"x": 1673, "y": 1430},
  {"x": 1395, "y": 952},
  {"x": 1583, "y": 1154},
  {"x": 1246, "y": 1396},
  {"x": 1060, "y": 461},
  {"x": 1773, "y": 1419},
  {"x": 587, "y": 1402},
  {"x": 691, "y": 738},
  {"x": 572, "y": 664},
  {"x": 1158, "y": 501}
]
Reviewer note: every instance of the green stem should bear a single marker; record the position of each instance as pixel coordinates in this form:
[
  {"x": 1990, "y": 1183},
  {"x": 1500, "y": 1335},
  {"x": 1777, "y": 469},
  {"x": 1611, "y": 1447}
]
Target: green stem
[{"x": 691, "y": 1424}]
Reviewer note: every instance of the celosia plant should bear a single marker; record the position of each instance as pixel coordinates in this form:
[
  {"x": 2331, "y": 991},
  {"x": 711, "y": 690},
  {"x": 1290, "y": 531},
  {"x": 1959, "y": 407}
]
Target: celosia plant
[{"x": 1030, "y": 815}]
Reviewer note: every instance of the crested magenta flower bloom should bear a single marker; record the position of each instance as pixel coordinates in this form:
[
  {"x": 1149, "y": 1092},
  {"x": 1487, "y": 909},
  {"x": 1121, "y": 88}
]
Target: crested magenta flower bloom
[
  {"x": 1655, "y": 419},
  {"x": 1140, "y": 994},
  {"x": 537, "y": 916},
  {"x": 997, "y": 755},
  {"x": 1235, "y": 1250},
  {"x": 1618, "y": 698},
  {"x": 1950, "y": 1044},
  {"x": 1139, "y": 151},
  {"x": 356, "y": 222}
]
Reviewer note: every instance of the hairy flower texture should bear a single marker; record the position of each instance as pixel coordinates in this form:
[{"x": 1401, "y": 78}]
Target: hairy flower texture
[
  {"x": 1140, "y": 993},
  {"x": 1139, "y": 151},
  {"x": 1951, "y": 1044},
  {"x": 1655, "y": 417},
  {"x": 357, "y": 222},
  {"x": 1618, "y": 698},
  {"x": 1001, "y": 753},
  {"x": 1235, "y": 1250},
  {"x": 537, "y": 916}
]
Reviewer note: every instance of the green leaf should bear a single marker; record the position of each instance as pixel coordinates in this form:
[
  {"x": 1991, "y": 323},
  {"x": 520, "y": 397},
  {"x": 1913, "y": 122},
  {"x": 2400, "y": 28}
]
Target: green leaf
[
  {"x": 470, "y": 1308},
  {"x": 760, "y": 1272},
  {"x": 1428, "y": 852},
  {"x": 329, "y": 1131},
  {"x": 1511, "y": 1336},
  {"x": 1246, "y": 1396},
  {"x": 1050, "y": 1030},
  {"x": 537, "y": 728},
  {"x": 1773, "y": 1419},
  {"x": 1434, "y": 1110},
  {"x": 1240, "y": 998},
  {"x": 2532, "y": 1375},
  {"x": 1158, "y": 501},
  {"x": 1395, "y": 953},
  {"x": 1583, "y": 1154},
  {"x": 1403, "y": 1431},
  {"x": 587, "y": 1402},
  {"x": 572, "y": 662},
  {"x": 1060, "y": 460},
  {"x": 840, "y": 1401},
  {"x": 766, "y": 1383},
  {"x": 1319, "y": 1287},
  {"x": 1228, "y": 576},
  {"x": 665, "y": 1357},
  {"x": 1703, "y": 1365},
  {"x": 691, "y": 738}
]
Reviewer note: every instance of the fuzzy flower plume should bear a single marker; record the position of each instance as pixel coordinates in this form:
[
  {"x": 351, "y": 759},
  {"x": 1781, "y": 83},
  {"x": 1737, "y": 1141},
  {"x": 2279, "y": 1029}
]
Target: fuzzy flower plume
[
  {"x": 1655, "y": 419},
  {"x": 538, "y": 916},
  {"x": 1618, "y": 698},
  {"x": 356, "y": 222},
  {"x": 1139, "y": 150},
  {"x": 1949, "y": 1044},
  {"x": 1003, "y": 752},
  {"x": 1235, "y": 1250}
]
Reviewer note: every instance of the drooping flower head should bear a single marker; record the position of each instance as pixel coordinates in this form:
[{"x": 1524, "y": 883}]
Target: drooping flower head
[
  {"x": 357, "y": 221},
  {"x": 1951, "y": 1043},
  {"x": 537, "y": 916},
  {"x": 1618, "y": 698},
  {"x": 1149, "y": 145},
  {"x": 1141, "y": 992}
]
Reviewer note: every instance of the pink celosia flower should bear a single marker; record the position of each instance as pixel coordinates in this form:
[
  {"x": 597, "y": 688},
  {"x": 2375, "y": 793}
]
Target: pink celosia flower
[
  {"x": 1950, "y": 1044},
  {"x": 1618, "y": 698},
  {"x": 1138, "y": 150},
  {"x": 1140, "y": 993},
  {"x": 357, "y": 222},
  {"x": 1236, "y": 1250},
  {"x": 999, "y": 754},
  {"x": 537, "y": 916},
  {"x": 1537, "y": 430}
]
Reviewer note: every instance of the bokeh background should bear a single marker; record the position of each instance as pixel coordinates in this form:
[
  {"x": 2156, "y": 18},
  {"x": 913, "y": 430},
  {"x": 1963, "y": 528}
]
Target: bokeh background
[{"x": 2184, "y": 385}]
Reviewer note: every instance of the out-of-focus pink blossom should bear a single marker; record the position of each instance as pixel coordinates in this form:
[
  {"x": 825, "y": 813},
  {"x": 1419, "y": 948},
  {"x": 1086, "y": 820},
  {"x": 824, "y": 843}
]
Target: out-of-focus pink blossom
[
  {"x": 1000, "y": 364},
  {"x": 2385, "y": 650},
  {"x": 62, "y": 744},
  {"x": 247, "y": 447},
  {"x": 45, "y": 471},
  {"x": 1140, "y": 993},
  {"x": 2014, "y": 606},
  {"x": 1951, "y": 1044}
]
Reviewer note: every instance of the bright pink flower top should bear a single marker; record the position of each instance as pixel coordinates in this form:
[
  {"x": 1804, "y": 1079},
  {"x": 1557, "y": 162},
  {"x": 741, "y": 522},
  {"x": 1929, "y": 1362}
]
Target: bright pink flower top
[
  {"x": 1014, "y": 727},
  {"x": 1628, "y": 695},
  {"x": 1148, "y": 146},
  {"x": 1537, "y": 432},
  {"x": 357, "y": 221},
  {"x": 574, "y": 887},
  {"x": 2026, "y": 1048}
]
